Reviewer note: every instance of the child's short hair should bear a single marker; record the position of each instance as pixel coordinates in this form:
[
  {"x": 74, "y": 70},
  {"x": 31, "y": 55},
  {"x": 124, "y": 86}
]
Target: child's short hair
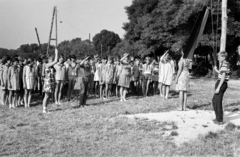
[
  {"x": 117, "y": 58},
  {"x": 39, "y": 60},
  {"x": 110, "y": 58},
  {"x": 73, "y": 57},
  {"x": 14, "y": 59},
  {"x": 223, "y": 54},
  {"x": 148, "y": 58},
  {"x": 137, "y": 58},
  {"x": 60, "y": 56},
  {"x": 5, "y": 59}
]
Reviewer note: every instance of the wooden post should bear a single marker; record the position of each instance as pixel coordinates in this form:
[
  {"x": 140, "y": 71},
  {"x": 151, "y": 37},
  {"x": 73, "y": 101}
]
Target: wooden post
[
  {"x": 224, "y": 26},
  {"x": 39, "y": 43},
  {"x": 50, "y": 31},
  {"x": 89, "y": 43},
  {"x": 101, "y": 50},
  {"x": 56, "y": 27}
]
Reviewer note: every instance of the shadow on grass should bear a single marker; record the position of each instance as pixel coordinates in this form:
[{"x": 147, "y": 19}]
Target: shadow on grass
[
  {"x": 228, "y": 117},
  {"x": 233, "y": 107},
  {"x": 175, "y": 94},
  {"x": 101, "y": 102},
  {"x": 203, "y": 106}
]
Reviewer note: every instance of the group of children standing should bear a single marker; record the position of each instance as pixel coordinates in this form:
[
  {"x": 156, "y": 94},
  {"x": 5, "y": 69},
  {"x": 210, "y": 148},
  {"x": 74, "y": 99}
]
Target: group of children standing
[
  {"x": 132, "y": 75},
  {"x": 52, "y": 75}
]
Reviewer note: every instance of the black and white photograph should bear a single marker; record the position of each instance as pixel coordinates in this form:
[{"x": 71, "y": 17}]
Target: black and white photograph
[{"x": 119, "y": 78}]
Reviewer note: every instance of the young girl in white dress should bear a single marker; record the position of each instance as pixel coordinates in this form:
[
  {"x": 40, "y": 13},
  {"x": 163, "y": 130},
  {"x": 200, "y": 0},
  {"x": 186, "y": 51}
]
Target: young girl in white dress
[
  {"x": 168, "y": 71},
  {"x": 29, "y": 80},
  {"x": 13, "y": 85}
]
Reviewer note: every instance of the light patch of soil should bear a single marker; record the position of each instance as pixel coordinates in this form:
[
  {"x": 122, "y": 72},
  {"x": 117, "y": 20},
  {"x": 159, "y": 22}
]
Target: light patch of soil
[{"x": 190, "y": 124}]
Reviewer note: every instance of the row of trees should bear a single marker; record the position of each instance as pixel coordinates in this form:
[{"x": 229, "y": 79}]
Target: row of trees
[
  {"x": 155, "y": 26},
  {"x": 102, "y": 43}
]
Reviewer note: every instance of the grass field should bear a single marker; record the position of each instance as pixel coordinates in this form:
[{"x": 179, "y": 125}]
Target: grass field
[{"x": 99, "y": 130}]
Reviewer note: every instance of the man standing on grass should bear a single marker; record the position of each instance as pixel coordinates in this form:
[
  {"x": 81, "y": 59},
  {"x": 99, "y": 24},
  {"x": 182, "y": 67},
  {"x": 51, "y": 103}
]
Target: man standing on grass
[{"x": 220, "y": 86}]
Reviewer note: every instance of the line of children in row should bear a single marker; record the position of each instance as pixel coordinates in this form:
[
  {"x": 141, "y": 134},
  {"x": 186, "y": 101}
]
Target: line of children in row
[
  {"x": 20, "y": 77},
  {"x": 139, "y": 78}
]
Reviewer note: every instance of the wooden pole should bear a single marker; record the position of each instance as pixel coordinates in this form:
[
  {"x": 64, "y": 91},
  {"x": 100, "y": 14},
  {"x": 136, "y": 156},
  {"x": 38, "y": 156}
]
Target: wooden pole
[
  {"x": 89, "y": 43},
  {"x": 224, "y": 26},
  {"x": 39, "y": 43},
  {"x": 101, "y": 50},
  {"x": 50, "y": 31},
  {"x": 56, "y": 27}
]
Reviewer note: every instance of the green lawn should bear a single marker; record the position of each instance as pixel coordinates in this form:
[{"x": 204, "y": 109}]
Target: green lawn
[{"x": 99, "y": 130}]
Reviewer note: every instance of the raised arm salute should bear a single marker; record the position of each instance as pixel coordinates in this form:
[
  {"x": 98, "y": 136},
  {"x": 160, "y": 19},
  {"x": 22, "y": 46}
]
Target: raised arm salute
[{"x": 49, "y": 79}]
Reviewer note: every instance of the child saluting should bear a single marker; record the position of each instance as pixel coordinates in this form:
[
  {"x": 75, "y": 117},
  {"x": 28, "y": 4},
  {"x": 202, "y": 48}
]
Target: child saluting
[{"x": 220, "y": 86}]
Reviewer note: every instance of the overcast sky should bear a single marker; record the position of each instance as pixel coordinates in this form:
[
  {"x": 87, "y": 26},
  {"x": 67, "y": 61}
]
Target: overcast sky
[{"x": 18, "y": 19}]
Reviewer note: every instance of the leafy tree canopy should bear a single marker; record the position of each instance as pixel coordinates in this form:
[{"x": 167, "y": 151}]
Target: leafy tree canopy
[
  {"x": 157, "y": 25},
  {"x": 105, "y": 41}
]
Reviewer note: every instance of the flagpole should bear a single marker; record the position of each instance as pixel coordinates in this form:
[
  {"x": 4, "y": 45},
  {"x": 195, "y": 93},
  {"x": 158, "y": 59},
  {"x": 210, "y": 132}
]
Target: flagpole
[{"x": 224, "y": 26}]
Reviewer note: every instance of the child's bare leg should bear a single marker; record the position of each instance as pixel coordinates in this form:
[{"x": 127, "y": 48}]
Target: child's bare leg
[
  {"x": 101, "y": 94},
  {"x": 1, "y": 100},
  {"x": 160, "y": 89},
  {"x": 164, "y": 90},
  {"x": 181, "y": 99},
  {"x": 110, "y": 89},
  {"x": 167, "y": 91},
  {"x": 25, "y": 98},
  {"x": 10, "y": 99},
  {"x": 121, "y": 93},
  {"x": 56, "y": 92},
  {"x": 103, "y": 90},
  {"x": 185, "y": 101},
  {"x": 60, "y": 91},
  {"x": 45, "y": 101},
  {"x": 29, "y": 97},
  {"x": 124, "y": 93},
  {"x": 106, "y": 91},
  {"x": 15, "y": 99},
  {"x": 147, "y": 87}
]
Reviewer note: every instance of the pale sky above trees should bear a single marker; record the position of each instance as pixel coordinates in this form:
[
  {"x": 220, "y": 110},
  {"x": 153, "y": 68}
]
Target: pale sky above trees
[{"x": 18, "y": 19}]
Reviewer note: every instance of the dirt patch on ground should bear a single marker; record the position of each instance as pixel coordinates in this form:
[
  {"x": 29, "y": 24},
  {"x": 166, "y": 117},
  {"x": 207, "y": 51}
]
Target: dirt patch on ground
[{"x": 190, "y": 124}]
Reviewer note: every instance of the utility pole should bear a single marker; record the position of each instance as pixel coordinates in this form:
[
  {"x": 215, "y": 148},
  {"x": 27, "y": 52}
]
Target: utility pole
[
  {"x": 101, "y": 50},
  {"x": 89, "y": 43},
  {"x": 224, "y": 26},
  {"x": 54, "y": 13},
  {"x": 39, "y": 43},
  {"x": 56, "y": 27}
]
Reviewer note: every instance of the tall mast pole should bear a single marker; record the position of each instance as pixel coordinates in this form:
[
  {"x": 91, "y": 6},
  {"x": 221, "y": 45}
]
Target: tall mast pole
[
  {"x": 224, "y": 26},
  {"x": 50, "y": 31},
  {"x": 89, "y": 43},
  {"x": 56, "y": 26},
  {"x": 101, "y": 50},
  {"x": 39, "y": 43}
]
